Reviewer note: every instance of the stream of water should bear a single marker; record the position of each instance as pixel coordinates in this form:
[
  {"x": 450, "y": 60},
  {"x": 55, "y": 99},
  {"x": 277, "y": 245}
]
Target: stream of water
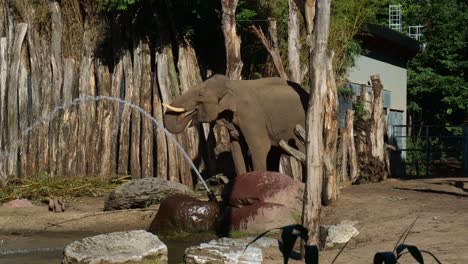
[{"x": 84, "y": 99}]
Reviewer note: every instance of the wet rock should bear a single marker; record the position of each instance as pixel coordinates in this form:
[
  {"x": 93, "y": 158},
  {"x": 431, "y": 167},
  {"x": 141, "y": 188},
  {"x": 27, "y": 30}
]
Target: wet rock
[
  {"x": 141, "y": 193},
  {"x": 257, "y": 218},
  {"x": 215, "y": 184},
  {"x": 219, "y": 253},
  {"x": 267, "y": 187},
  {"x": 264, "y": 242},
  {"x": 262, "y": 200},
  {"x": 18, "y": 203},
  {"x": 337, "y": 234},
  {"x": 136, "y": 246},
  {"x": 184, "y": 214}
]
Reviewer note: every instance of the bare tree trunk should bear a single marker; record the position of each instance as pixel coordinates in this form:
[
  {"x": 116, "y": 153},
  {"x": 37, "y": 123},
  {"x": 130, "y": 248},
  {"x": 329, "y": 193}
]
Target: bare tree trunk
[
  {"x": 23, "y": 111},
  {"x": 294, "y": 43},
  {"x": 147, "y": 126},
  {"x": 3, "y": 77},
  {"x": 135, "y": 158},
  {"x": 271, "y": 45},
  {"x": 57, "y": 80},
  {"x": 318, "y": 13},
  {"x": 232, "y": 40},
  {"x": 12, "y": 117},
  {"x": 351, "y": 150},
  {"x": 125, "y": 123},
  {"x": 376, "y": 133},
  {"x": 330, "y": 186}
]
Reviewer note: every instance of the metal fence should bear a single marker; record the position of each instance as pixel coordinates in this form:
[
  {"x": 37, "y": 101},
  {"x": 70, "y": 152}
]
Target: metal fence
[{"x": 440, "y": 151}]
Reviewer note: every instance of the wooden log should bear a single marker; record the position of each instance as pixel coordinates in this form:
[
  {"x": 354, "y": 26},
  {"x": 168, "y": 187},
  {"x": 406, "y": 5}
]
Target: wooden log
[
  {"x": 68, "y": 138},
  {"x": 111, "y": 136},
  {"x": 231, "y": 39},
  {"x": 271, "y": 44},
  {"x": 3, "y": 77},
  {"x": 318, "y": 13},
  {"x": 147, "y": 137},
  {"x": 342, "y": 156},
  {"x": 300, "y": 133},
  {"x": 294, "y": 43},
  {"x": 124, "y": 140},
  {"x": 292, "y": 151},
  {"x": 12, "y": 115},
  {"x": 161, "y": 162},
  {"x": 377, "y": 123},
  {"x": 190, "y": 77},
  {"x": 163, "y": 60},
  {"x": 57, "y": 81},
  {"x": 351, "y": 150},
  {"x": 102, "y": 130},
  {"x": 23, "y": 99},
  {"x": 330, "y": 189},
  {"x": 291, "y": 166},
  {"x": 135, "y": 158}
]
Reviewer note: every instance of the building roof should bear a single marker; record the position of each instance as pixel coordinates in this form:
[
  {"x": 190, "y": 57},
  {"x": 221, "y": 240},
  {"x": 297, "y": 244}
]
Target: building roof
[{"x": 388, "y": 45}]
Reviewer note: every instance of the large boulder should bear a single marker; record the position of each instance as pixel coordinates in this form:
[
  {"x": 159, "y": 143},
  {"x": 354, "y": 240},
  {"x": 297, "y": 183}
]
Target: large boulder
[
  {"x": 219, "y": 254},
  {"x": 183, "y": 214},
  {"x": 137, "y": 246},
  {"x": 18, "y": 203},
  {"x": 266, "y": 187},
  {"x": 257, "y": 218},
  {"x": 262, "y": 200},
  {"x": 141, "y": 193}
]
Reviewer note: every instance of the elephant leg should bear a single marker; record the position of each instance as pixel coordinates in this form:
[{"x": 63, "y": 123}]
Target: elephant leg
[
  {"x": 259, "y": 148},
  {"x": 238, "y": 157}
]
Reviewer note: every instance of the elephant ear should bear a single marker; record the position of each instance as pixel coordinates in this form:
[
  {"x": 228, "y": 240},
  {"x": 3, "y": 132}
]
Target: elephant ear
[{"x": 228, "y": 101}]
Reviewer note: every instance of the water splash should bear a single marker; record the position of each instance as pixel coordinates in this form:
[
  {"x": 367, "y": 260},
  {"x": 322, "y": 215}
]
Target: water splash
[{"x": 83, "y": 99}]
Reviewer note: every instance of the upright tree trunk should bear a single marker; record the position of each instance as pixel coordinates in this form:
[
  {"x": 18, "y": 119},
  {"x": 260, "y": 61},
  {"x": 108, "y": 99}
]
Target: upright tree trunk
[
  {"x": 317, "y": 14},
  {"x": 232, "y": 40},
  {"x": 125, "y": 121},
  {"x": 351, "y": 150},
  {"x": 135, "y": 154},
  {"x": 147, "y": 125},
  {"x": 330, "y": 186},
  {"x": 294, "y": 43},
  {"x": 376, "y": 133}
]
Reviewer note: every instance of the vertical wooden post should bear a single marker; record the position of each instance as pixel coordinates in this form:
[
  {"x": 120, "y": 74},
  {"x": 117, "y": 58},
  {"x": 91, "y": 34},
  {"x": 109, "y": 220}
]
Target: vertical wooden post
[
  {"x": 330, "y": 128},
  {"x": 294, "y": 43},
  {"x": 352, "y": 155},
  {"x": 232, "y": 40},
  {"x": 317, "y": 15},
  {"x": 103, "y": 116},
  {"x": 124, "y": 140},
  {"x": 3, "y": 77},
  {"x": 57, "y": 80},
  {"x": 135, "y": 158},
  {"x": 12, "y": 117},
  {"x": 147, "y": 125},
  {"x": 376, "y": 132},
  {"x": 23, "y": 100}
]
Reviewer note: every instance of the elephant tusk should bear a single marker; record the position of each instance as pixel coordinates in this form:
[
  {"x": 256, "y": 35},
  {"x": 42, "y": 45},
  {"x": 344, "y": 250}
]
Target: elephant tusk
[{"x": 174, "y": 109}]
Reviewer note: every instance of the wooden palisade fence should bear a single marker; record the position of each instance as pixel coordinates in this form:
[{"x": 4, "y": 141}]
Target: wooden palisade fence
[{"x": 40, "y": 71}]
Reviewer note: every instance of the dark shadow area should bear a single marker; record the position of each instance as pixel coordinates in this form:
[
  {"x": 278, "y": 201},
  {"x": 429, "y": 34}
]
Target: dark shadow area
[
  {"x": 432, "y": 191},
  {"x": 303, "y": 94}
]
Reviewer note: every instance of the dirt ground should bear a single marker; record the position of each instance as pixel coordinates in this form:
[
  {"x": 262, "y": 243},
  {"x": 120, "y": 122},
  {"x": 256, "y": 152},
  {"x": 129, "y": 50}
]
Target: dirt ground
[{"x": 382, "y": 212}]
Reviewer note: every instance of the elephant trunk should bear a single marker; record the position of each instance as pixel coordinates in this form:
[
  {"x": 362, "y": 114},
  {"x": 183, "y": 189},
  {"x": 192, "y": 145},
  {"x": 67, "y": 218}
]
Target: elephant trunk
[{"x": 176, "y": 122}]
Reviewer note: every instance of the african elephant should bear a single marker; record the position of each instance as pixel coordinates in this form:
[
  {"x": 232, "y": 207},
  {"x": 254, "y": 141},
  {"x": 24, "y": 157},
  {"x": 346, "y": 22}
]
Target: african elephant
[{"x": 263, "y": 111}]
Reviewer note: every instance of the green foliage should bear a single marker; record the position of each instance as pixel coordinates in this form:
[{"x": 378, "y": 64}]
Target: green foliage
[
  {"x": 437, "y": 75},
  {"x": 116, "y": 5}
]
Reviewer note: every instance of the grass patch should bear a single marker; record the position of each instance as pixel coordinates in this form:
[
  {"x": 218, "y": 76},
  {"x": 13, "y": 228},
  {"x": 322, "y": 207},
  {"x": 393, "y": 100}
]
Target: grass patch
[{"x": 43, "y": 186}]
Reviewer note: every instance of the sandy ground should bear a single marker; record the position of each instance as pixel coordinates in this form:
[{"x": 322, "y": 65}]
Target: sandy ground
[{"x": 382, "y": 211}]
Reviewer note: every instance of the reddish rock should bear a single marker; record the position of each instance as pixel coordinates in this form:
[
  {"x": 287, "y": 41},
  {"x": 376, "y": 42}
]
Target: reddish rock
[
  {"x": 257, "y": 218},
  {"x": 265, "y": 187},
  {"x": 18, "y": 203},
  {"x": 184, "y": 214}
]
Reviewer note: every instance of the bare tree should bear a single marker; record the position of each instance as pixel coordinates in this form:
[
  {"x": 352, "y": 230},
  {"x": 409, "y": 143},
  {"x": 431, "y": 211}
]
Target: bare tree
[
  {"x": 317, "y": 13},
  {"x": 232, "y": 40},
  {"x": 271, "y": 44}
]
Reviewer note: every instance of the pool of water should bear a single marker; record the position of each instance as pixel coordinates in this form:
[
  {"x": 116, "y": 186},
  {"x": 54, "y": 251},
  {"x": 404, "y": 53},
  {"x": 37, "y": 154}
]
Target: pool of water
[{"x": 47, "y": 248}]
